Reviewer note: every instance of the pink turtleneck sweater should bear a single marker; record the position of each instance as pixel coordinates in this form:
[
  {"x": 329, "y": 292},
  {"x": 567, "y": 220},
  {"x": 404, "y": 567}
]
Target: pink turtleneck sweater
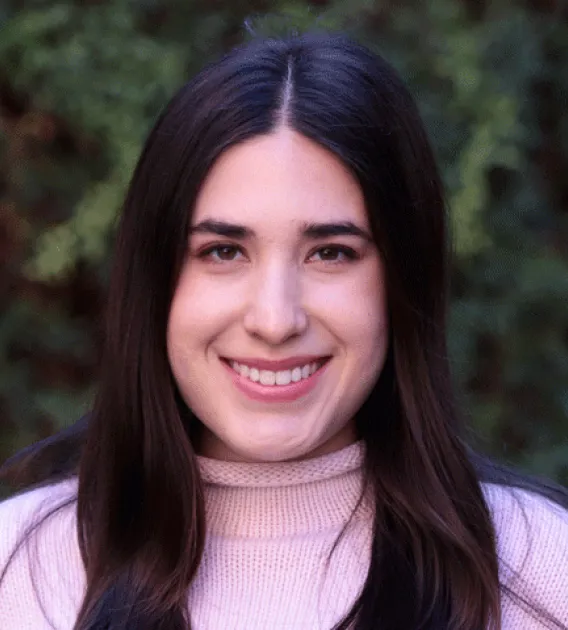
[{"x": 271, "y": 528}]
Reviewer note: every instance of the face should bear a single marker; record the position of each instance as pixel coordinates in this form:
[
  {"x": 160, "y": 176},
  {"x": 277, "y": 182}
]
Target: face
[{"x": 278, "y": 327}]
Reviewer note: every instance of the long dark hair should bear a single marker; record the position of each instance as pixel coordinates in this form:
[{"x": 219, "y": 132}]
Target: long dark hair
[{"x": 140, "y": 497}]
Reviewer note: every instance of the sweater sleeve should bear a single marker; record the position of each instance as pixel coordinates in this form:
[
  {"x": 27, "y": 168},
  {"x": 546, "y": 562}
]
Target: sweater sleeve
[
  {"x": 532, "y": 545},
  {"x": 41, "y": 580}
]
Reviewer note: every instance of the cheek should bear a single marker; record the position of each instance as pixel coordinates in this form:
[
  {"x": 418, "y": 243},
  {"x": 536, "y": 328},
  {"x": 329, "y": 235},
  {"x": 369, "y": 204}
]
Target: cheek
[
  {"x": 198, "y": 307},
  {"x": 186, "y": 326},
  {"x": 359, "y": 317},
  {"x": 200, "y": 312},
  {"x": 191, "y": 326},
  {"x": 356, "y": 309}
]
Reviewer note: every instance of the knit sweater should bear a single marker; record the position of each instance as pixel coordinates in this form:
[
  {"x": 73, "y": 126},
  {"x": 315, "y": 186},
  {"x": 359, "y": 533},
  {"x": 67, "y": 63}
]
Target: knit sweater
[{"x": 267, "y": 563}]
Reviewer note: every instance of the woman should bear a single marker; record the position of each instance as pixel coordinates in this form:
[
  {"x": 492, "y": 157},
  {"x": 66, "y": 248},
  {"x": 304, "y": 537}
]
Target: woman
[{"x": 275, "y": 442}]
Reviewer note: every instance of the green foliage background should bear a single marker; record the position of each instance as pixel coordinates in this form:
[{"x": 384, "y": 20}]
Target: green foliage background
[{"x": 82, "y": 82}]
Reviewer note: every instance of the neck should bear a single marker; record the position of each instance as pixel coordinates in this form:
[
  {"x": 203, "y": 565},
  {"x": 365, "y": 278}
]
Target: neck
[{"x": 266, "y": 500}]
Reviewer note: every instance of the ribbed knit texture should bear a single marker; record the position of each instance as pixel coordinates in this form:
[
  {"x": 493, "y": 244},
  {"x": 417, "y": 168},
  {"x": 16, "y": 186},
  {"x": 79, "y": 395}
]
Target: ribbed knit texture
[{"x": 270, "y": 531}]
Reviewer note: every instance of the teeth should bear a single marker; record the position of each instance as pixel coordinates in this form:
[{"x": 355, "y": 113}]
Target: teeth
[
  {"x": 283, "y": 378},
  {"x": 268, "y": 377}
]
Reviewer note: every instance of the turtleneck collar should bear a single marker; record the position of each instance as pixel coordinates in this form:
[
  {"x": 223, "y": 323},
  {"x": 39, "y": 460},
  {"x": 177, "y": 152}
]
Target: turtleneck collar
[{"x": 268, "y": 500}]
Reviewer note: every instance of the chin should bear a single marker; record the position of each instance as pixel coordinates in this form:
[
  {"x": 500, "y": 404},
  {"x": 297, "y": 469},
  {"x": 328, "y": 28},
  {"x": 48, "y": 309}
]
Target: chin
[
  {"x": 271, "y": 453},
  {"x": 275, "y": 442}
]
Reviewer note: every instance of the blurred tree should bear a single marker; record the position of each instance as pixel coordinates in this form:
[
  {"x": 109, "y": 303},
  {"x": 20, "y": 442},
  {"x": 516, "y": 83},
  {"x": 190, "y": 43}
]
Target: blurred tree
[{"x": 81, "y": 83}]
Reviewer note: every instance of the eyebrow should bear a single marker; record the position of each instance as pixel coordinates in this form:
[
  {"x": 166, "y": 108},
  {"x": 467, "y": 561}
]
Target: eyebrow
[{"x": 312, "y": 231}]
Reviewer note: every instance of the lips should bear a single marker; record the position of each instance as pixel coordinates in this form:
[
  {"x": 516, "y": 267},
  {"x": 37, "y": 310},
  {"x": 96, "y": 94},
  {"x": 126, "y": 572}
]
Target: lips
[
  {"x": 282, "y": 364},
  {"x": 277, "y": 393}
]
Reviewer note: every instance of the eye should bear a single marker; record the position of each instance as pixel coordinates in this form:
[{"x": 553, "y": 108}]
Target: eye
[
  {"x": 220, "y": 253},
  {"x": 335, "y": 254}
]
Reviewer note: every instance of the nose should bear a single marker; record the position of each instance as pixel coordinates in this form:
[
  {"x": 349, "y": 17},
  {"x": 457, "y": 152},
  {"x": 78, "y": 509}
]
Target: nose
[{"x": 275, "y": 312}]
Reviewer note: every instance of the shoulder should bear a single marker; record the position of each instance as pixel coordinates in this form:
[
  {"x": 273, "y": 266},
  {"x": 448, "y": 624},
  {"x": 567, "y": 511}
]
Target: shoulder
[
  {"x": 524, "y": 519},
  {"x": 532, "y": 546},
  {"x": 33, "y": 498},
  {"x": 21, "y": 512},
  {"x": 40, "y": 562}
]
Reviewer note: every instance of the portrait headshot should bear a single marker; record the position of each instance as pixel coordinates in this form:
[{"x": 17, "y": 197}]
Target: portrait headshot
[{"x": 276, "y": 439}]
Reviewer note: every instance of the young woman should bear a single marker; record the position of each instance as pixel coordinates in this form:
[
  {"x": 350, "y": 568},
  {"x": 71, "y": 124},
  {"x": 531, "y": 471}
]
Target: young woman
[{"x": 275, "y": 442}]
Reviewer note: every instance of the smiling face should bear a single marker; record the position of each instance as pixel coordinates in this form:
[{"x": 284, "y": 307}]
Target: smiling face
[{"x": 278, "y": 327}]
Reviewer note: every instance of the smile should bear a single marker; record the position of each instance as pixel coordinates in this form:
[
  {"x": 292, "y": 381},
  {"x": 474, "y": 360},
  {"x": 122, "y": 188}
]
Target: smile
[
  {"x": 283, "y": 385},
  {"x": 280, "y": 378}
]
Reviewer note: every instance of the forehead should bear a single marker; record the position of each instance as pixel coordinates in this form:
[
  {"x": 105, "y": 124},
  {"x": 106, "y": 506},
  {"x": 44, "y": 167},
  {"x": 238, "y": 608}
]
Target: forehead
[{"x": 280, "y": 181}]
